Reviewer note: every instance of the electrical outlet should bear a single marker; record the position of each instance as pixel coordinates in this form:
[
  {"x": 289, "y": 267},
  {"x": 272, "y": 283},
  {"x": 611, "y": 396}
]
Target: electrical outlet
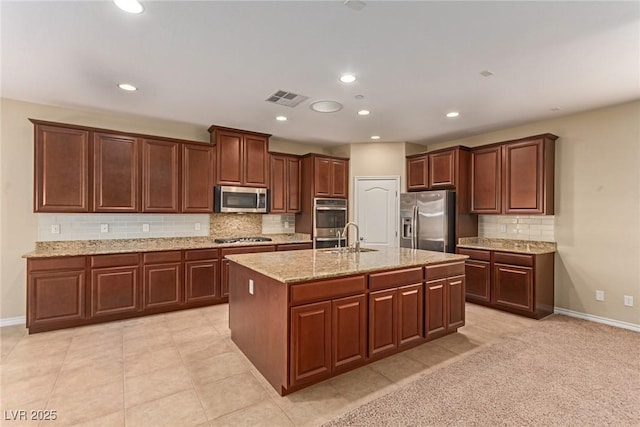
[
  {"x": 286, "y": 224},
  {"x": 599, "y": 295},
  {"x": 503, "y": 228},
  {"x": 628, "y": 300},
  {"x": 55, "y": 228},
  {"x": 197, "y": 226},
  {"x": 251, "y": 286},
  {"x": 145, "y": 228},
  {"x": 104, "y": 228}
]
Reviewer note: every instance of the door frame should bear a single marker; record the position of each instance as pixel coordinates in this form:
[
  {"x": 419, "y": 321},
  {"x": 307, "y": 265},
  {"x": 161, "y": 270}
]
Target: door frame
[{"x": 396, "y": 179}]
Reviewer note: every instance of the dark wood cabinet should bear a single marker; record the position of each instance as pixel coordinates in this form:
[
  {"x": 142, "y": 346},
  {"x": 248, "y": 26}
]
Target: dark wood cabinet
[
  {"x": 330, "y": 177},
  {"x": 55, "y": 293},
  {"x": 478, "y": 275},
  {"x": 512, "y": 286},
  {"x": 162, "y": 280},
  {"x": 202, "y": 275},
  {"x": 418, "y": 173},
  {"x": 383, "y": 322},
  {"x": 284, "y": 184},
  {"x": 455, "y": 302},
  {"x": 294, "y": 246},
  {"x": 241, "y": 157},
  {"x": 160, "y": 176},
  {"x": 349, "y": 331},
  {"x": 61, "y": 182},
  {"x": 410, "y": 314},
  {"x": 198, "y": 162},
  {"x": 310, "y": 342},
  {"x": 339, "y": 178},
  {"x": 224, "y": 264},
  {"x": 442, "y": 170},
  {"x": 115, "y": 285},
  {"x": 116, "y": 181},
  {"x": 486, "y": 180},
  {"x": 435, "y": 303},
  {"x": 224, "y": 278}
]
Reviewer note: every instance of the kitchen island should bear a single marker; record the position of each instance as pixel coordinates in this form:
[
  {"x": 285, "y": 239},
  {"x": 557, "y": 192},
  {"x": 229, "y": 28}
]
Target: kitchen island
[{"x": 305, "y": 316}]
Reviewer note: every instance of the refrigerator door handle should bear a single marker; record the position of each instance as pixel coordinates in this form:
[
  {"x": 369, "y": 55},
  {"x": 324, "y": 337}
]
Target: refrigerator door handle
[{"x": 414, "y": 241}]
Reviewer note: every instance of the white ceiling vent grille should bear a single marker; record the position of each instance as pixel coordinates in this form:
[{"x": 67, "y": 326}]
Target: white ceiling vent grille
[{"x": 288, "y": 99}]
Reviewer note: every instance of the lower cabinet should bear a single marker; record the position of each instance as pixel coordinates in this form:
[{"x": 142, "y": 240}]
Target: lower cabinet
[
  {"x": 202, "y": 275},
  {"x": 310, "y": 342},
  {"x": 444, "y": 299},
  {"x": 383, "y": 322},
  {"x": 162, "y": 280},
  {"x": 348, "y": 331},
  {"x": 512, "y": 286},
  {"x": 115, "y": 285}
]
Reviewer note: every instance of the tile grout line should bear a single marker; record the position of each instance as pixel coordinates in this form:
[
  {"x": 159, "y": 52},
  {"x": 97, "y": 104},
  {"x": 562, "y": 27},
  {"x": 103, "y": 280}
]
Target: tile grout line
[{"x": 53, "y": 387}]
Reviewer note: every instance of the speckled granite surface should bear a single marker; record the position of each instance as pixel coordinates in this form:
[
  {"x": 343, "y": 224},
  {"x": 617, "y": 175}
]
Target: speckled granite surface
[
  {"x": 113, "y": 246},
  {"x": 301, "y": 266},
  {"x": 507, "y": 245}
]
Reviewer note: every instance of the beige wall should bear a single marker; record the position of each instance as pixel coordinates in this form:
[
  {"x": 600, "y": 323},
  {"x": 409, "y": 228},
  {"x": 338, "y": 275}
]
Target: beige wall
[
  {"x": 292, "y": 147},
  {"x": 597, "y": 206}
]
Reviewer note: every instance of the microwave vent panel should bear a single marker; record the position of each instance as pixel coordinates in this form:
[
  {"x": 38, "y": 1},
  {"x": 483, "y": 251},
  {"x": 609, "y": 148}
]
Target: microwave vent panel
[{"x": 288, "y": 99}]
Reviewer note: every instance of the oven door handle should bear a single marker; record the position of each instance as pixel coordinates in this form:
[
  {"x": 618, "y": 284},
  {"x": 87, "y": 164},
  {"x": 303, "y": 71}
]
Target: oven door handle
[{"x": 328, "y": 208}]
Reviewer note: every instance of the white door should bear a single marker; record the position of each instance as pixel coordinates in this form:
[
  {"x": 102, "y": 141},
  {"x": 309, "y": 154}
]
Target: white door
[{"x": 377, "y": 210}]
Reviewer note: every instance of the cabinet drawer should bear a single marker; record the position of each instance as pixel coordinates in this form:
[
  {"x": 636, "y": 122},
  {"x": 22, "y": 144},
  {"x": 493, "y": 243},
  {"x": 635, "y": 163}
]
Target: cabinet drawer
[
  {"x": 56, "y": 263},
  {"x": 295, "y": 246},
  {"x": 393, "y": 279},
  {"x": 476, "y": 254},
  {"x": 158, "y": 257},
  {"x": 327, "y": 289},
  {"x": 247, "y": 250},
  {"x": 199, "y": 254},
  {"x": 116, "y": 260},
  {"x": 514, "y": 259},
  {"x": 442, "y": 271}
]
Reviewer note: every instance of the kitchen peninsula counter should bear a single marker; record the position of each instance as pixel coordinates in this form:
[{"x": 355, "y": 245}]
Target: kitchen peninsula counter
[{"x": 304, "y": 316}]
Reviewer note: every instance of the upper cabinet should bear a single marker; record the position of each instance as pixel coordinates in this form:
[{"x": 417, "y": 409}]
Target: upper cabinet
[
  {"x": 61, "y": 169},
  {"x": 514, "y": 177},
  {"x": 330, "y": 176},
  {"x": 284, "y": 184},
  {"x": 81, "y": 169},
  {"x": 432, "y": 171},
  {"x": 242, "y": 157},
  {"x": 418, "y": 173}
]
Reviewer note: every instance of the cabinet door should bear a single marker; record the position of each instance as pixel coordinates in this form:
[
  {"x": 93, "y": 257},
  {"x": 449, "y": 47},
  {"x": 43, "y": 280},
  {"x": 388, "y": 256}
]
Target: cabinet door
[
  {"x": 229, "y": 158},
  {"x": 417, "y": 173},
  {"x": 310, "y": 342},
  {"x": 116, "y": 182},
  {"x": 524, "y": 177},
  {"x": 201, "y": 279},
  {"x": 197, "y": 178},
  {"x": 162, "y": 285},
  {"x": 160, "y": 178},
  {"x": 410, "y": 314},
  {"x": 61, "y": 170},
  {"x": 224, "y": 279},
  {"x": 383, "y": 322},
  {"x": 435, "y": 305},
  {"x": 56, "y": 297},
  {"x": 478, "y": 278},
  {"x": 442, "y": 170},
  {"x": 322, "y": 177},
  {"x": 255, "y": 161},
  {"x": 486, "y": 179},
  {"x": 114, "y": 291},
  {"x": 279, "y": 184},
  {"x": 455, "y": 302},
  {"x": 293, "y": 183},
  {"x": 339, "y": 178},
  {"x": 349, "y": 331},
  {"x": 512, "y": 286}
]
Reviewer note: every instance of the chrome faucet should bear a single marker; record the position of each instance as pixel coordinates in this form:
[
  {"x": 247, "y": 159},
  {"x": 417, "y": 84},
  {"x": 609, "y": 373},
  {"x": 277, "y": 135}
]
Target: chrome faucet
[
  {"x": 339, "y": 236},
  {"x": 356, "y": 245}
]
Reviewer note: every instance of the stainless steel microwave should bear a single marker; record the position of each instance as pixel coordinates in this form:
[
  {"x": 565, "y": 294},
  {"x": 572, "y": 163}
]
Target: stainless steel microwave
[{"x": 240, "y": 199}]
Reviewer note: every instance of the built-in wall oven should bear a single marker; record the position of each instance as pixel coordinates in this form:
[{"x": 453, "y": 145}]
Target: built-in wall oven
[{"x": 329, "y": 219}]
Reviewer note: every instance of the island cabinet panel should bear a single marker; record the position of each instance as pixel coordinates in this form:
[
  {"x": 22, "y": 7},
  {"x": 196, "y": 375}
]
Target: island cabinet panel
[
  {"x": 198, "y": 162},
  {"x": 224, "y": 273},
  {"x": 435, "y": 303},
  {"x": 162, "y": 280},
  {"x": 55, "y": 299},
  {"x": 116, "y": 181},
  {"x": 486, "y": 180},
  {"x": 410, "y": 314},
  {"x": 160, "y": 176},
  {"x": 310, "y": 342},
  {"x": 61, "y": 169},
  {"x": 418, "y": 173},
  {"x": 349, "y": 332},
  {"x": 327, "y": 289},
  {"x": 455, "y": 302},
  {"x": 383, "y": 322}
]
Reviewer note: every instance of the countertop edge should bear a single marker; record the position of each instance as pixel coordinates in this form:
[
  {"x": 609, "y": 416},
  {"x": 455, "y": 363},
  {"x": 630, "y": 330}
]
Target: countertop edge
[{"x": 512, "y": 250}]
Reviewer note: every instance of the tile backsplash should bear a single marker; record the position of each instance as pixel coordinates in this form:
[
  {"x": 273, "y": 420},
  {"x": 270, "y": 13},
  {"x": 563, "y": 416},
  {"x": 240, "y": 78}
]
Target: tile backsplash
[
  {"x": 120, "y": 226},
  {"x": 533, "y": 227}
]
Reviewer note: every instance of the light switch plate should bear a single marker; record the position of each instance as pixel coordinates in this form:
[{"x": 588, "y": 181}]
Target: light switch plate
[
  {"x": 628, "y": 300},
  {"x": 197, "y": 226},
  {"x": 104, "y": 228},
  {"x": 55, "y": 228},
  {"x": 599, "y": 295},
  {"x": 145, "y": 228}
]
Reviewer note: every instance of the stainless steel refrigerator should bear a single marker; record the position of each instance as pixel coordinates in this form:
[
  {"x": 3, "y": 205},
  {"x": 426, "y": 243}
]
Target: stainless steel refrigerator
[{"x": 427, "y": 220}]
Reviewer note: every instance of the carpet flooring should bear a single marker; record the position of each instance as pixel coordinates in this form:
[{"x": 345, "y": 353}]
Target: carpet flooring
[{"x": 562, "y": 372}]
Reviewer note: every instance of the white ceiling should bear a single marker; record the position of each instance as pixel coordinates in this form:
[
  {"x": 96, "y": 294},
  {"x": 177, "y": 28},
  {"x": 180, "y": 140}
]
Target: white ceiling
[{"x": 216, "y": 62}]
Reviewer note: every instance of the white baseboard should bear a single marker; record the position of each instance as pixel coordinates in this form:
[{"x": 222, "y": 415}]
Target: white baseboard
[
  {"x": 10, "y": 321},
  {"x": 598, "y": 319}
]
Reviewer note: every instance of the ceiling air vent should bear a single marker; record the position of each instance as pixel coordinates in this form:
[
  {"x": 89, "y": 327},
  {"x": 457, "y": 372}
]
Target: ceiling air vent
[{"x": 288, "y": 99}]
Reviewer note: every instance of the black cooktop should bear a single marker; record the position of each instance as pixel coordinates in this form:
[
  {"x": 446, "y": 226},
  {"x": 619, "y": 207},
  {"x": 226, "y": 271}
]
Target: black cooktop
[{"x": 243, "y": 239}]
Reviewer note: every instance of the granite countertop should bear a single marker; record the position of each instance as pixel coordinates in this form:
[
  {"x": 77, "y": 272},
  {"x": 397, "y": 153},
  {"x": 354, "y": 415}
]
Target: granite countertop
[
  {"x": 306, "y": 265},
  {"x": 114, "y": 246},
  {"x": 507, "y": 245}
]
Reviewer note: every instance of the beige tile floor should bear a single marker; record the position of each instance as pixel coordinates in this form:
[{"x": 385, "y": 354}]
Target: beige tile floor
[{"x": 182, "y": 369}]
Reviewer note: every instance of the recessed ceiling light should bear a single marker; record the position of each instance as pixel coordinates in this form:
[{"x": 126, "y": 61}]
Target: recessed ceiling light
[
  {"x": 347, "y": 78},
  {"x": 359, "y": 97},
  {"x": 326, "y": 106},
  {"x": 375, "y": 137},
  {"x": 486, "y": 73},
  {"x": 453, "y": 114},
  {"x": 281, "y": 118},
  {"x": 131, "y": 6},
  {"x": 364, "y": 112},
  {"x": 555, "y": 109},
  {"x": 128, "y": 87}
]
